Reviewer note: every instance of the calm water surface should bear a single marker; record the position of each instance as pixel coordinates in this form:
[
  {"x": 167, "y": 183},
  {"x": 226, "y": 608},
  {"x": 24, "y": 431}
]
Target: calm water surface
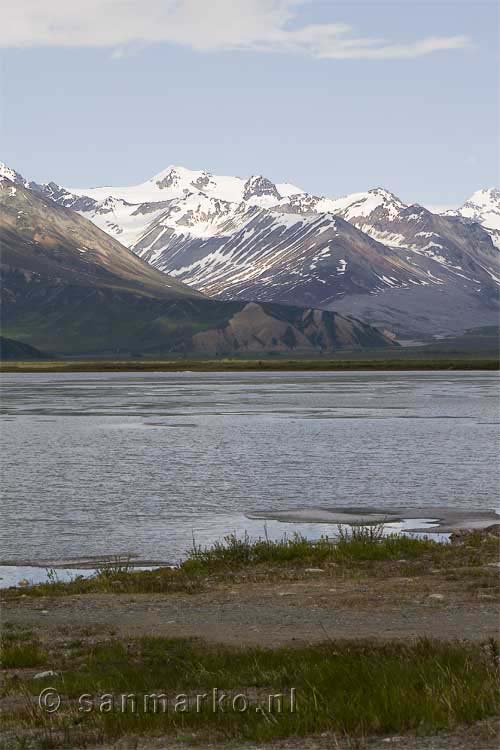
[{"x": 120, "y": 463}]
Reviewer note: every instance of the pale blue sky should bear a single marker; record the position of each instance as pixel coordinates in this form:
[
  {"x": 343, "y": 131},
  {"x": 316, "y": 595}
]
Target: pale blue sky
[{"x": 107, "y": 93}]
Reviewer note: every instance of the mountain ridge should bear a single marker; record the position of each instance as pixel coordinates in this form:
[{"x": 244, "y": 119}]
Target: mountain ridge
[
  {"x": 249, "y": 238},
  {"x": 70, "y": 288}
]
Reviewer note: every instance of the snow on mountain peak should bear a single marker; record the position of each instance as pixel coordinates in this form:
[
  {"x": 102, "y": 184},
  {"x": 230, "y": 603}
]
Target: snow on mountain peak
[
  {"x": 386, "y": 195},
  {"x": 485, "y": 197},
  {"x": 6, "y": 173},
  {"x": 176, "y": 182},
  {"x": 362, "y": 205},
  {"x": 180, "y": 177},
  {"x": 483, "y": 206}
]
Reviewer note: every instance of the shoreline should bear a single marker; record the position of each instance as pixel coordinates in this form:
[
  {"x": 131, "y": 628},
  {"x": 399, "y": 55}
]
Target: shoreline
[
  {"x": 352, "y": 363},
  {"x": 370, "y": 611},
  {"x": 434, "y": 523}
]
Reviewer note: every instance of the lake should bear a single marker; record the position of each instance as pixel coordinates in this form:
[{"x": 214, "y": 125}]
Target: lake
[{"x": 133, "y": 463}]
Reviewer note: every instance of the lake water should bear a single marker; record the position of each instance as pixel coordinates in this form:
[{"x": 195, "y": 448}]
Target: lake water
[{"x": 126, "y": 463}]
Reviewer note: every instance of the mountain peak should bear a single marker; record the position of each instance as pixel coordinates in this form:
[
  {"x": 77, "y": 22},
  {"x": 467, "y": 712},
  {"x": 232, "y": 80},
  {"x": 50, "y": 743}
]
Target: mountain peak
[
  {"x": 484, "y": 197},
  {"x": 386, "y": 195},
  {"x": 483, "y": 207},
  {"x": 258, "y": 186},
  {"x": 169, "y": 177},
  {"x": 6, "y": 173}
]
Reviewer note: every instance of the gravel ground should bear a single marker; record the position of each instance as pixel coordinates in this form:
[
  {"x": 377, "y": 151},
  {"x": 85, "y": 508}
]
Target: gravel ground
[
  {"x": 273, "y": 614},
  {"x": 319, "y": 605}
]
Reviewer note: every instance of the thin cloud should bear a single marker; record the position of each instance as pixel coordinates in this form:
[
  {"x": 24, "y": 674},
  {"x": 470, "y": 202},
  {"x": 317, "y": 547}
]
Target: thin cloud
[{"x": 252, "y": 25}]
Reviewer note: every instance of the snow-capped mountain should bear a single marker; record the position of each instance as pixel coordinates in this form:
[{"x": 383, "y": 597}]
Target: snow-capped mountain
[
  {"x": 267, "y": 254},
  {"x": 385, "y": 218},
  {"x": 6, "y": 173},
  {"x": 483, "y": 206},
  {"x": 69, "y": 287},
  {"x": 299, "y": 258},
  {"x": 179, "y": 182},
  {"x": 196, "y": 200},
  {"x": 368, "y": 253}
]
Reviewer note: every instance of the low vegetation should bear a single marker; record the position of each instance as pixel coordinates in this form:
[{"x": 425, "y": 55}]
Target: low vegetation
[
  {"x": 354, "y": 689},
  {"x": 361, "y": 543},
  {"x": 20, "y": 655},
  {"x": 367, "y": 360},
  {"x": 114, "y": 578},
  {"x": 359, "y": 550}
]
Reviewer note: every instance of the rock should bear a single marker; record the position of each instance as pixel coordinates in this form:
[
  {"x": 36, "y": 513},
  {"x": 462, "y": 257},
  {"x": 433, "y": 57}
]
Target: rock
[
  {"x": 459, "y": 536},
  {"x": 44, "y": 675},
  {"x": 314, "y": 570}
]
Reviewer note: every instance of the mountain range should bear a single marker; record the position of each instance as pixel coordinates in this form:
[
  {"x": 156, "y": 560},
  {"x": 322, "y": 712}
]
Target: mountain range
[
  {"x": 400, "y": 267},
  {"x": 68, "y": 287}
]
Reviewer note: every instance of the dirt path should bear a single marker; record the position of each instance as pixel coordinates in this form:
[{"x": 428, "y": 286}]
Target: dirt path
[{"x": 271, "y": 614}]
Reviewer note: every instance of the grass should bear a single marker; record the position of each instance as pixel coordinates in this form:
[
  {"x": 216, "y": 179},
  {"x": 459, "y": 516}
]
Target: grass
[
  {"x": 115, "y": 580},
  {"x": 365, "y": 549},
  {"x": 20, "y": 655},
  {"x": 354, "y": 689},
  {"x": 355, "y": 361},
  {"x": 351, "y": 548},
  {"x": 360, "y": 544}
]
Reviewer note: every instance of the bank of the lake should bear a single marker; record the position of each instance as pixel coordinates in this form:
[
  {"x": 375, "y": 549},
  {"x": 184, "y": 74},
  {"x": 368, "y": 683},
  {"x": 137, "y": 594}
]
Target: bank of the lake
[
  {"x": 405, "y": 361},
  {"x": 382, "y": 640}
]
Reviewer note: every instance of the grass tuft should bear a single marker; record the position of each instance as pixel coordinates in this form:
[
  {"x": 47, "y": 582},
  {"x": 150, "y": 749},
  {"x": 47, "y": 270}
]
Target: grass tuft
[{"x": 19, "y": 655}]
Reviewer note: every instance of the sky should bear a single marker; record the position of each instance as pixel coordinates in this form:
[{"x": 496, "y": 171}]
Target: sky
[{"x": 335, "y": 97}]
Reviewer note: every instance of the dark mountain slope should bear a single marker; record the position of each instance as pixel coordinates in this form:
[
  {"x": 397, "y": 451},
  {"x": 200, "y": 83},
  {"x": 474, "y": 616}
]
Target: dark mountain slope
[
  {"x": 42, "y": 238},
  {"x": 16, "y": 350}
]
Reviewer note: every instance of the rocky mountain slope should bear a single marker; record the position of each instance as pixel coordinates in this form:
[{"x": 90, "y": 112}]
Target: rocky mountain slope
[
  {"x": 458, "y": 256},
  {"x": 69, "y": 287},
  {"x": 400, "y": 267}
]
